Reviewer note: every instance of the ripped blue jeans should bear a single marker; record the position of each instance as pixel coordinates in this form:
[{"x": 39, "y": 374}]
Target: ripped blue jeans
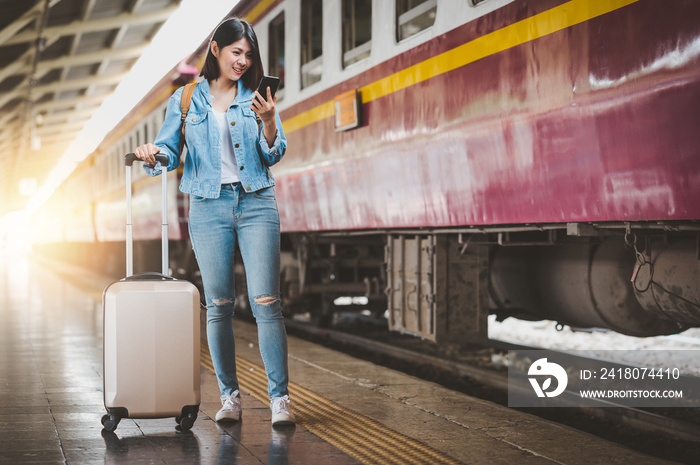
[{"x": 252, "y": 220}]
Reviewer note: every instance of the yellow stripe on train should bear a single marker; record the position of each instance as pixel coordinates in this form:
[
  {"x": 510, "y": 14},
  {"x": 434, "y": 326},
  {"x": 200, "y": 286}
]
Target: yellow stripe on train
[{"x": 540, "y": 25}]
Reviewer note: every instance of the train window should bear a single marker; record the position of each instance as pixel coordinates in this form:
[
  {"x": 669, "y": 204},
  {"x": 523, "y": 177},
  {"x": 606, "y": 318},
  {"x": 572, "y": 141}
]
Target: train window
[
  {"x": 357, "y": 30},
  {"x": 120, "y": 160},
  {"x": 311, "y": 41},
  {"x": 114, "y": 174},
  {"x": 413, "y": 16},
  {"x": 276, "y": 49},
  {"x": 101, "y": 179},
  {"x": 106, "y": 169},
  {"x": 117, "y": 167}
]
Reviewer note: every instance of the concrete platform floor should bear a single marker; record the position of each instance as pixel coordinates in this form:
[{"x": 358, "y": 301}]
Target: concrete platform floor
[{"x": 51, "y": 401}]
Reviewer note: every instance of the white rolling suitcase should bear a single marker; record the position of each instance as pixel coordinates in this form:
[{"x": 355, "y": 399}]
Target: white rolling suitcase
[{"x": 151, "y": 338}]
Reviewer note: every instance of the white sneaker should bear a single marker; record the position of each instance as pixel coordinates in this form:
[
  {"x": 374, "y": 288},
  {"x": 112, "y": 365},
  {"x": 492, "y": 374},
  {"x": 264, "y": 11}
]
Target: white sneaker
[
  {"x": 231, "y": 410},
  {"x": 281, "y": 411}
]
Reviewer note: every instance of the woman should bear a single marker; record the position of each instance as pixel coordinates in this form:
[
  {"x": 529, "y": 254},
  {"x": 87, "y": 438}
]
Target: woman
[{"x": 233, "y": 135}]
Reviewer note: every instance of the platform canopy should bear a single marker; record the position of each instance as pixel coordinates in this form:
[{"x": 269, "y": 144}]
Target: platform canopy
[{"x": 59, "y": 59}]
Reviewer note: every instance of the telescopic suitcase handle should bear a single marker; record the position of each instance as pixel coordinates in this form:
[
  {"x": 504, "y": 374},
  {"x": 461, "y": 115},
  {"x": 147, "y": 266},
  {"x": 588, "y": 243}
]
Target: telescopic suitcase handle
[{"x": 129, "y": 159}]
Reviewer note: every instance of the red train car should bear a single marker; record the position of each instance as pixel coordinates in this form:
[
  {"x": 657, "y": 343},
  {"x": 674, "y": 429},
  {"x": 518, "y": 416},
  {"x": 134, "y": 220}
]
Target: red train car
[{"x": 454, "y": 158}]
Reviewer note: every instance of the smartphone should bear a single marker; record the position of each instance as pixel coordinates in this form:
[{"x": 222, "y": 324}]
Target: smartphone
[{"x": 268, "y": 81}]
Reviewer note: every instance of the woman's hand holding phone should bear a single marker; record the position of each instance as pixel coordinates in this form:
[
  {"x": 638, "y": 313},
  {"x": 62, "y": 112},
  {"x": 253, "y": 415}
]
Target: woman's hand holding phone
[{"x": 265, "y": 107}]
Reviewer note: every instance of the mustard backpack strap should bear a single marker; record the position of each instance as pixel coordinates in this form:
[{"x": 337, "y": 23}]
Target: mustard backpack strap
[{"x": 185, "y": 108}]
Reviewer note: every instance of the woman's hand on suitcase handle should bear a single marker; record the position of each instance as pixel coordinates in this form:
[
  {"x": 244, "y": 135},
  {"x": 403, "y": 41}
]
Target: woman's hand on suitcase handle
[{"x": 146, "y": 152}]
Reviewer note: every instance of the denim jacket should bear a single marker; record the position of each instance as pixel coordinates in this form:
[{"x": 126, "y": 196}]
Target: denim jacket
[{"x": 202, "y": 172}]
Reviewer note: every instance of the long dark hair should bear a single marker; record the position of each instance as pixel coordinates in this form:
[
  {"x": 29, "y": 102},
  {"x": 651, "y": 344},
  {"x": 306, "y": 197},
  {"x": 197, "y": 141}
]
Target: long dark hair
[{"x": 230, "y": 31}]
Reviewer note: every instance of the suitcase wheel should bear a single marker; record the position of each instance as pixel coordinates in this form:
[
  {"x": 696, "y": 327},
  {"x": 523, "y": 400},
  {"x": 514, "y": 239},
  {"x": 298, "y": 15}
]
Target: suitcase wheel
[
  {"x": 186, "y": 422},
  {"x": 110, "y": 422}
]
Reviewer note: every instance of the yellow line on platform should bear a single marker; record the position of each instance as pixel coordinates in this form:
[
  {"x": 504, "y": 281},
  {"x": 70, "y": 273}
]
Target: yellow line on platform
[{"x": 355, "y": 434}]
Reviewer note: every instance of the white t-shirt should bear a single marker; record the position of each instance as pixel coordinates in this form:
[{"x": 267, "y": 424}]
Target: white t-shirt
[{"x": 229, "y": 167}]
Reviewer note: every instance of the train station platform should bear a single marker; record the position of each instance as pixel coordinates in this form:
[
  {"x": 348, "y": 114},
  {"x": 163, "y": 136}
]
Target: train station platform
[{"x": 349, "y": 411}]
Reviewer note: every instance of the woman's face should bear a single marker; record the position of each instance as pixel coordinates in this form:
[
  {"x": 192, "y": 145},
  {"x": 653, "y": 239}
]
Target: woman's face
[{"x": 234, "y": 59}]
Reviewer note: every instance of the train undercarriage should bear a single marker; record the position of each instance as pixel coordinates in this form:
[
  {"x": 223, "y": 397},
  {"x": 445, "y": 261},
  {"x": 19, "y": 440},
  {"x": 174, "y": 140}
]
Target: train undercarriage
[{"x": 441, "y": 285}]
